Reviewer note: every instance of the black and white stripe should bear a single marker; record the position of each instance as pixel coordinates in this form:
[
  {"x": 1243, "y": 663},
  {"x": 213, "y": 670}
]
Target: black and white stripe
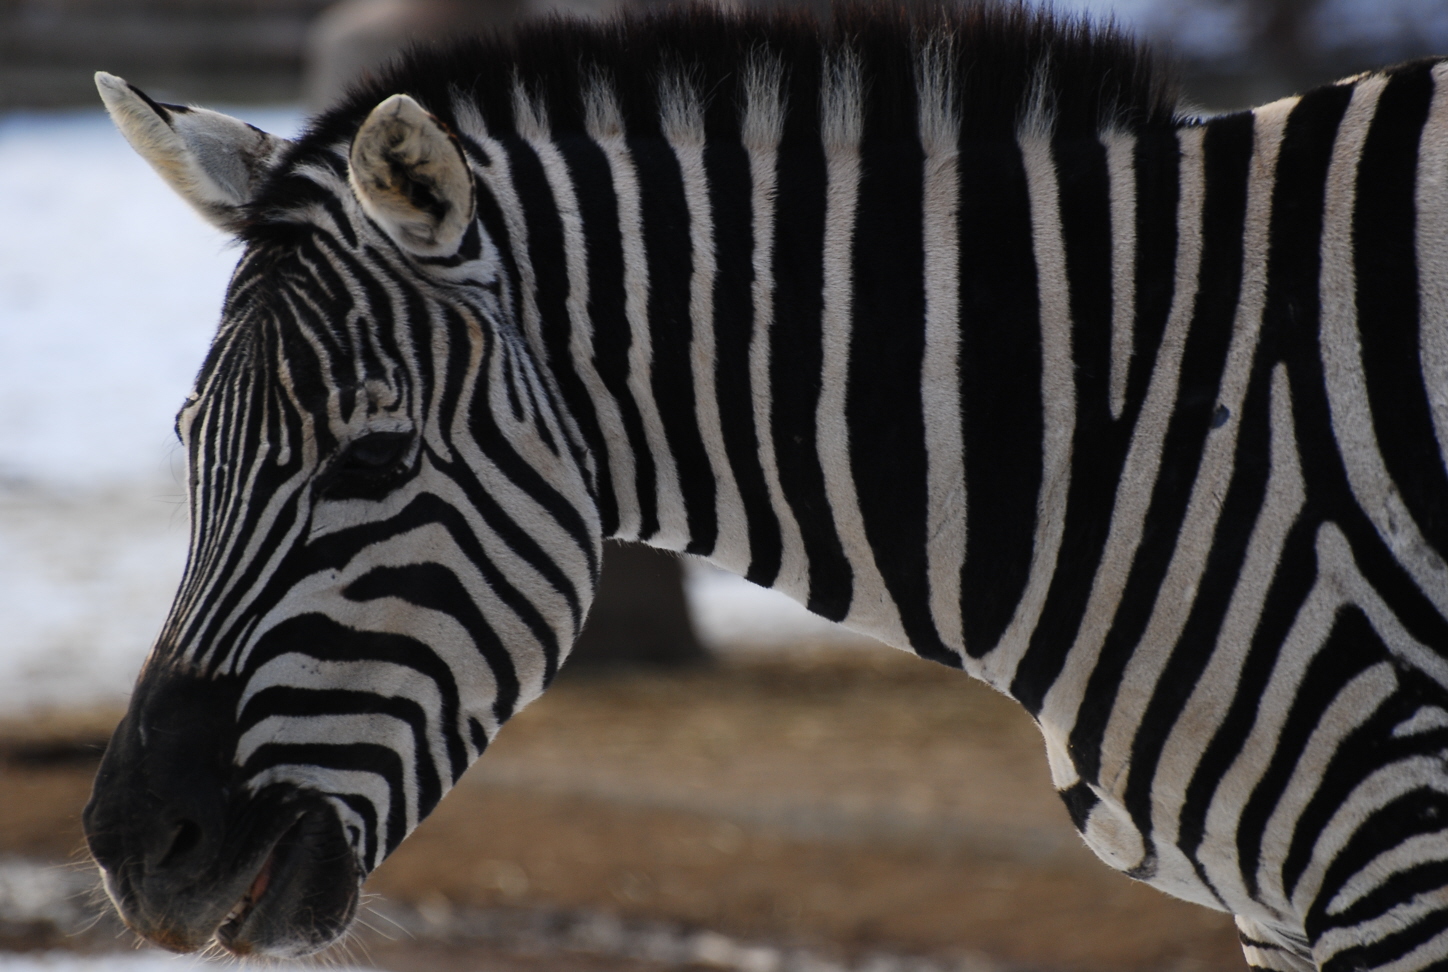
[{"x": 954, "y": 332}]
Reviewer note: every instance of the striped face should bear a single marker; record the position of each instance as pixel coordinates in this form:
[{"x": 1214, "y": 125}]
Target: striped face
[
  {"x": 393, "y": 542},
  {"x": 377, "y": 478}
]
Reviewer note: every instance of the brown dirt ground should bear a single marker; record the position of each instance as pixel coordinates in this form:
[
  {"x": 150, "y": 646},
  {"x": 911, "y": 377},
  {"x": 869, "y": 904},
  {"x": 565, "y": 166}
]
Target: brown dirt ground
[{"x": 849, "y": 801}]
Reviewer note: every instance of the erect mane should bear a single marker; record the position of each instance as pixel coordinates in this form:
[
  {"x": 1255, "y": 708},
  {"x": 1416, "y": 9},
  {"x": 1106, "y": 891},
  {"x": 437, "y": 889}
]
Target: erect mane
[{"x": 1005, "y": 62}]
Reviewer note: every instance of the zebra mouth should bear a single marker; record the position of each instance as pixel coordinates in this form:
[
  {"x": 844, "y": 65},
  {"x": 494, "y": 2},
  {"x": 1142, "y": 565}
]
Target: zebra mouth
[
  {"x": 303, "y": 895},
  {"x": 235, "y": 920}
]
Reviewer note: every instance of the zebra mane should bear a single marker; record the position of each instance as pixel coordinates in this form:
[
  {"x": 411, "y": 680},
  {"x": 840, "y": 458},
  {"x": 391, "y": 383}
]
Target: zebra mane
[{"x": 1004, "y": 67}]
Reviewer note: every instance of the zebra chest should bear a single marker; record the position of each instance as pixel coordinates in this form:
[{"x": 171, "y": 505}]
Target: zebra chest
[{"x": 1105, "y": 823}]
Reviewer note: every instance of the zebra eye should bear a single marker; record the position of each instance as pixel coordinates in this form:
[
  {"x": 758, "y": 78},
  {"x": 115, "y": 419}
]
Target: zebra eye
[{"x": 369, "y": 467}]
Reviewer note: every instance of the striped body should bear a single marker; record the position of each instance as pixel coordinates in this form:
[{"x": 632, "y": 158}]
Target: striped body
[
  {"x": 1143, "y": 421},
  {"x": 1192, "y": 531}
]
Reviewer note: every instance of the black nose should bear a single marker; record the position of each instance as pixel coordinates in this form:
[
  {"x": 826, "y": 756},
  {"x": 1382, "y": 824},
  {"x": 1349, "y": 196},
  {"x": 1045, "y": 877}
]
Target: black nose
[{"x": 156, "y": 819}]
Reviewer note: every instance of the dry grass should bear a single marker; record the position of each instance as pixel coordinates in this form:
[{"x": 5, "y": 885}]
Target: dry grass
[{"x": 851, "y": 802}]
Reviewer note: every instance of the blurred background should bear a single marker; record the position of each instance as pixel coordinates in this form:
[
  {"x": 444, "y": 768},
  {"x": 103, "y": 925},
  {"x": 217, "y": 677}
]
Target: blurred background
[{"x": 719, "y": 780}]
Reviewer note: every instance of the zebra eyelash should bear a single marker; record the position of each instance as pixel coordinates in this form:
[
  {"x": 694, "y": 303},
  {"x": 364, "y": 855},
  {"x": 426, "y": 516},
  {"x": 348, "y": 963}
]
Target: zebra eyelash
[{"x": 370, "y": 466}]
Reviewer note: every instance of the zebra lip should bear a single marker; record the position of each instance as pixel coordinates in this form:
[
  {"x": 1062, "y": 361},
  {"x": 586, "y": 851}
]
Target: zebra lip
[
  {"x": 235, "y": 932},
  {"x": 303, "y": 895},
  {"x": 236, "y": 919}
]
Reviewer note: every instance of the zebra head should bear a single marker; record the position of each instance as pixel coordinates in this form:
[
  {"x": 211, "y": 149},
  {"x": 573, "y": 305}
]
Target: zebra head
[{"x": 393, "y": 535}]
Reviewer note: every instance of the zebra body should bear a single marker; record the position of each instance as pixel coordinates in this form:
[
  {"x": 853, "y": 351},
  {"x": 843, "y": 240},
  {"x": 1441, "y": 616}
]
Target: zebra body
[{"x": 955, "y": 333}]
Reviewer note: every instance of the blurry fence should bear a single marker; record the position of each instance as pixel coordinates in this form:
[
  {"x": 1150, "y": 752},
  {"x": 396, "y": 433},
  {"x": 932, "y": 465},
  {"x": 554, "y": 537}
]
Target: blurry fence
[
  {"x": 222, "y": 50},
  {"x": 1233, "y": 52}
]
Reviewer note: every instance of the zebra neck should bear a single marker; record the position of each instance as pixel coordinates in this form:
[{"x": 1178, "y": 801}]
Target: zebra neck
[{"x": 811, "y": 363}]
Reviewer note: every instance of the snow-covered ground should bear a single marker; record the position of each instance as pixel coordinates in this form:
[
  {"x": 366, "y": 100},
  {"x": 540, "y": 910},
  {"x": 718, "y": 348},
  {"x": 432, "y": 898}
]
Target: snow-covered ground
[{"x": 109, "y": 292}]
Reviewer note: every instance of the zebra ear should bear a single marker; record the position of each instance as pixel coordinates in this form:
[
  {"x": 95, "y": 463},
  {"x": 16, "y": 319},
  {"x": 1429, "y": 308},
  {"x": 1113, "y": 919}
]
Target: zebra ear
[
  {"x": 216, "y": 162},
  {"x": 409, "y": 174}
]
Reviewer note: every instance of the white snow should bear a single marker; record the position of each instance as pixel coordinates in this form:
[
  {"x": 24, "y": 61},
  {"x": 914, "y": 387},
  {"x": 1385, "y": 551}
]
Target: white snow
[
  {"x": 109, "y": 292},
  {"x": 64, "y": 898}
]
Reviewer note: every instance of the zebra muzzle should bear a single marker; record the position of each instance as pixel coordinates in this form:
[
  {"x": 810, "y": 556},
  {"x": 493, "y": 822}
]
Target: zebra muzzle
[{"x": 190, "y": 854}]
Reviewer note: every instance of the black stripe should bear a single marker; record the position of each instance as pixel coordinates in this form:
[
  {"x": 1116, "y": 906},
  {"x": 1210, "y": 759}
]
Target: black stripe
[
  {"x": 1291, "y": 317},
  {"x": 669, "y": 252},
  {"x": 883, "y": 405},
  {"x": 598, "y": 207},
  {"x": 730, "y": 188},
  {"x": 1418, "y": 813},
  {"x": 287, "y": 700},
  {"x": 1099, "y": 443},
  {"x": 1158, "y": 194},
  {"x": 357, "y": 757},
  {"x": 1192, "y": 652},
  {"x": 1080, "y": 800},
  {"x": 318, "y": 636},
  {"x": 1366, "y": 752},
  {"x": 547, "y": 253},
  {"x": 496, "y": 447},
  {"x": 363, "y": 808},
  {"x": 490, "y": 215},
  {"x": 1000, "y": 388},
  {"x": 1227, "y": 149},
  {"x": 1351, "y": 647},
  {"x": 796, "y": 360},
  {"x": 1382, "y": 952},
  {"x": 1385, "y": 254},
  {"x": 1292, "y": 280},
  {"x": 435, "y": 587}
]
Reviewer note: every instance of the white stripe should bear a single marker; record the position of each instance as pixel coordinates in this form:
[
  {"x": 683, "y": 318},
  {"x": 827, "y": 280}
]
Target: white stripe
[
  {"x": 1205, "y": 709},
  {"x": 1354, "y": 704},
  {"x": 1058, "y": 400},
  {"x": 1138, "y": 476},
  {"x": 375, "y": 728},
  {"x": 371, "y": 787},
  {"x": 1214, "y": 474},
  {"x": 762, "y": 127},
  {"x": 1385, "y": 786},
  {"x": 1347, "y": 393},
  {"x": 621, "y": 469},
  {"x": 1432, "y": 245},
  {"x": 499, "y": 179},
  {"x": 1430, "y": 954},
  {"x": 1218, "y": 852},
  {"x": 605, "y": 124},
  {"x": 1415, "y": 851},
  {"x": 940, "y": 368},
  {"x": 383, "y": 679},
  {"x": 217, "y": 590},
  {"x": 683, "y": 126},
  {"x": 872, "y": 610},
  {"x": 1339, "y": 582},
  {"x": 1121, "y": 164}
]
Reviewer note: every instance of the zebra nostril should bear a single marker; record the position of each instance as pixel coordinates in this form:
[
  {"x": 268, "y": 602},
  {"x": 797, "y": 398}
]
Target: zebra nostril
[{"x": 183, "y": 840}]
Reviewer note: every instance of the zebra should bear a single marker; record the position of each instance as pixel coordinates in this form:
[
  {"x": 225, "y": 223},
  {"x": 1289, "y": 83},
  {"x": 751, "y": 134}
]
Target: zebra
[{"x": 953, "y": 326}]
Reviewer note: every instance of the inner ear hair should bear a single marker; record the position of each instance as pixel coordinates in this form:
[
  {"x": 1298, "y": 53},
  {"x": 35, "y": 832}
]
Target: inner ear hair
[{"x": 411, "y": 177}]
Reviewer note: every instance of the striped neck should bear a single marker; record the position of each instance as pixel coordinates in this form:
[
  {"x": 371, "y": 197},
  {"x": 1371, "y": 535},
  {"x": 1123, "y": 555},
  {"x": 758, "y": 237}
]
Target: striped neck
[
  {"x": 810, "y": 359},
  {"x": 785, "y": 278}
]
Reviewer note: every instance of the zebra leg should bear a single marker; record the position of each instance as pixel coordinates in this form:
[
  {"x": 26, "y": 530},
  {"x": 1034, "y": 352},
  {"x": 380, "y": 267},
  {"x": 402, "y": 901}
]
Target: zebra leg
[{"x": 1266, "y": 948}]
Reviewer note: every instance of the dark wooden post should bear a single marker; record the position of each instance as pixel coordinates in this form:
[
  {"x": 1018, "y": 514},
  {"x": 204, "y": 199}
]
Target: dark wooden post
[{"x": 641, "y": 616}]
